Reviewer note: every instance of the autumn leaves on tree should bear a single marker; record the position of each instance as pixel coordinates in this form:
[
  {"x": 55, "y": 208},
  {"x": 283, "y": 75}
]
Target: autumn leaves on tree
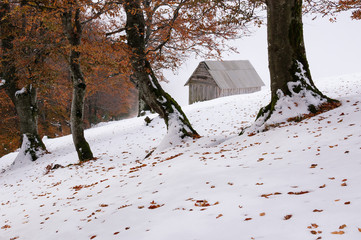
[
  {"x": 57, "y": 60},
  {"x": 92, "y": 48}
]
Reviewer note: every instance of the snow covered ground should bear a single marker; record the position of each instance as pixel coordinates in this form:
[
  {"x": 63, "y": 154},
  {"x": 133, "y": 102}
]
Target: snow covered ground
[{"x": 298, "y": 181}]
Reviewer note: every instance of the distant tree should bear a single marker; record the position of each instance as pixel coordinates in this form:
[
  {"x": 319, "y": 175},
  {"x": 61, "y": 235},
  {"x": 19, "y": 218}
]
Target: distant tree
[
  {"x": 9, "y": 133},
  {"x": 289, "y": 70},
  {"x": 110, "y": 94}
]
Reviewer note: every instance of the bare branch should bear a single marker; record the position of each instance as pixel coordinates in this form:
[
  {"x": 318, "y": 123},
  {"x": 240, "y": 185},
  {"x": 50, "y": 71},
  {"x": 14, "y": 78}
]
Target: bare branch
[
  {"x": 115, "y": 32},
  {"x": 170, "y": 25}
]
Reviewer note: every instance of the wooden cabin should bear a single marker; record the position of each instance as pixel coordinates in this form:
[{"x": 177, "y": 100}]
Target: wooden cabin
[{"x": 213, "y": 79}]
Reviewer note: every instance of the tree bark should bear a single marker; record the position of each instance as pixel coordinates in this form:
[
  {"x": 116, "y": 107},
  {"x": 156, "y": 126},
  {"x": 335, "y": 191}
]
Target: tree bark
[
  {"x": 286, "y": 54},
  {"x": 147, "y": 83},
  {"x": 25, "y": 99},
  {"x": 143, "y": 107},
  {"x": 73, "y": 30}
]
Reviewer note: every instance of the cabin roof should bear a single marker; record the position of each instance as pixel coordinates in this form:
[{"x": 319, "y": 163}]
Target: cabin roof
[{"x": 233, "y": 74}]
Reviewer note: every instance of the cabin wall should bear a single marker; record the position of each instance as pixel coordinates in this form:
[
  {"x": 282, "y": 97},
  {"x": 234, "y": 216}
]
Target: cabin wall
[
  {"x": 202, "y": 87},
  {"x": 202, "y": 76},
  {"x": 199, "y": 92},
  {"x": 229, "y": 92},
  {"x": 203, "y": 92}
]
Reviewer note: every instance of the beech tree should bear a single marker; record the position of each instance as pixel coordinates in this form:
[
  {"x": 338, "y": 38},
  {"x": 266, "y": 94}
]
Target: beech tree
[
  {"x": 73, "y": 28},
  {"x": 161, "y": 34},
  {"x": 73, "y": 19},
  {"x": 292, "y": 88},
  {"x": 20, "y": 88},
  {"x": 146, "y": 81}
]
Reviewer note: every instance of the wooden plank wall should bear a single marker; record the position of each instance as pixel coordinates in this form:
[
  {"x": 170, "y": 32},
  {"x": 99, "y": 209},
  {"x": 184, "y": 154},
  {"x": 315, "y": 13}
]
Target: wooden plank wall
[
  {"x": 229, "y": 92},
  {"x": 202, "y": 87}
]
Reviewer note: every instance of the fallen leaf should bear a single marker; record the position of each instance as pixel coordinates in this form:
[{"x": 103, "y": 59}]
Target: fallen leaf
[
  {"x": 317, "y": 210},
  {"x": 342, "y": 226},
  {"x": 287, "y": 217},
  {"x": 298, "y": 193},
  {"x": 247, "y": 219},
  {"x": 5, "y": 227},
  {"x": 314, "y": 225},
  {"x": 338, "y": 232},
  {"x": 262, "y": 214},
  {"x": 202, "y": 203},
  {"x": 220, "y": 215},
  {"x": 313, "y": 165},
  {"x": 266, "y": 195},
  {"x": 94, "y": 236},
  {"x": 124, "y": 206}
]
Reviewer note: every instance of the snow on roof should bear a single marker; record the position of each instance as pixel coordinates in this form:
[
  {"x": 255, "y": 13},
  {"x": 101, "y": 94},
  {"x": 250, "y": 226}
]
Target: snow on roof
[{"x": 234, "y": 74}]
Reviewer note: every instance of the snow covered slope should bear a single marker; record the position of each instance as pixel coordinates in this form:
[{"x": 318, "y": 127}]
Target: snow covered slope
[{"x": 298, "y": 181}]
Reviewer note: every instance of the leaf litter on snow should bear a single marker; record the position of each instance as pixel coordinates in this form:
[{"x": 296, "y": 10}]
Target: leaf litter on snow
[{"x": 299, "y": 180}]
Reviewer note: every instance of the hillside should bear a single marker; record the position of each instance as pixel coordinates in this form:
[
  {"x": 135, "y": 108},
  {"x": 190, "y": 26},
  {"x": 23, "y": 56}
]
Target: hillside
[{"x": 298, "y": 181}]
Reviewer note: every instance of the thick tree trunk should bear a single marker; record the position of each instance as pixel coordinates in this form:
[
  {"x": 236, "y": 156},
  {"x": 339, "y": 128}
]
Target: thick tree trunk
[
  {"x": 73, "y": 31},
  {"x": 27, "y": 110},
  {"x": 25, "y": 99},
  {"x": 143, "y": 107},
  {"x": 289, "y": 70},
  {"x": 149, "y": 88}
]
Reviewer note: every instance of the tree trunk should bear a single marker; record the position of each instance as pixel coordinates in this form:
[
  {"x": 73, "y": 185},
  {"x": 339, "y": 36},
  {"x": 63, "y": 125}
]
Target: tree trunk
[
  {"x": 289, "y": 70},
  {"x": 143, "y": 107},
  {"x": 73, "y": 30},
  {"x": 27, "y": 110},
  {"x": 149, "y": 88},
  {"x": 25, "y": 99}
]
